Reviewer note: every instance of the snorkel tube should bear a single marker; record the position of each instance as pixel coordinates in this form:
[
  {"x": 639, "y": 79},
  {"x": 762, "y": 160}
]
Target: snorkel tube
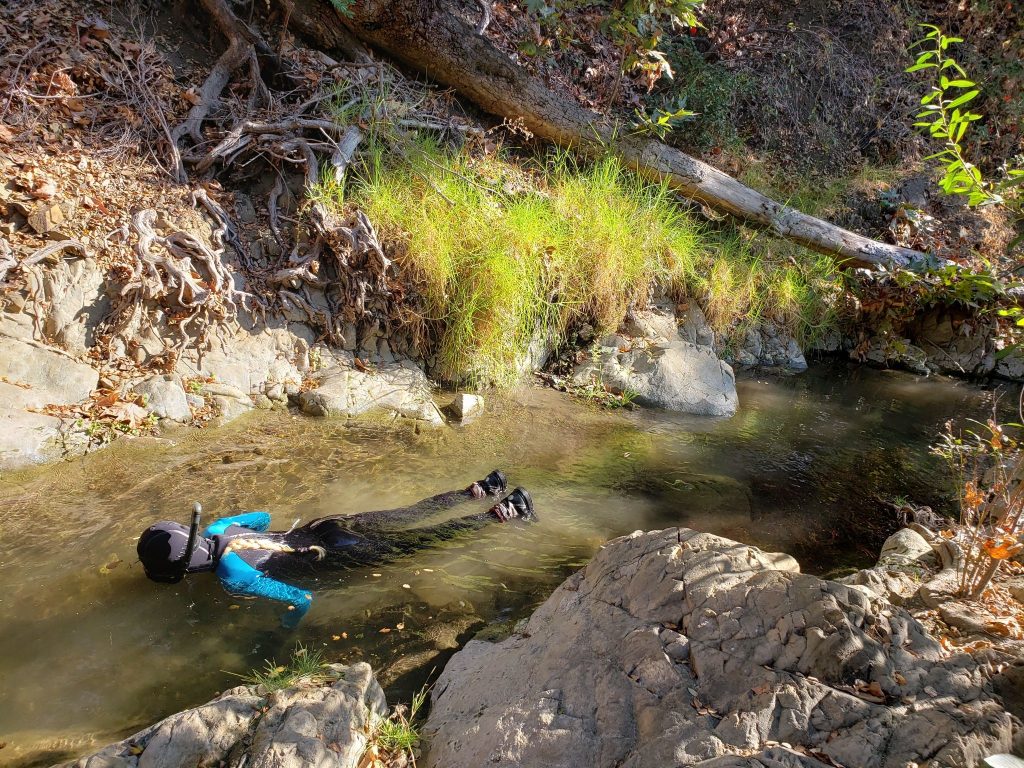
[{"x": 193, "y": 532}]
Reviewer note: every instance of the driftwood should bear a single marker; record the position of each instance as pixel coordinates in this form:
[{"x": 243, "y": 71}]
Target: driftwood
[{"x": 430, "y": 36}]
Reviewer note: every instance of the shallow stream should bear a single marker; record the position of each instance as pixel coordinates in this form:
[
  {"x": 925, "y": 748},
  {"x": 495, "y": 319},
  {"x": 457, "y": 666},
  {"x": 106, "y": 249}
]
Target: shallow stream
[{"x": 91, "y": 651}]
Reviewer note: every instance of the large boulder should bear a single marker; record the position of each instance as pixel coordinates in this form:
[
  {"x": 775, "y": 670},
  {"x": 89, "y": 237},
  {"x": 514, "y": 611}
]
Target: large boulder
[
  {"x": 654, "y": 359},
  {"x": 679, "y": 648},
  {"x": 75, "y": 302},
  {"x": 308, "y": 724},
  {"x": 32, "y": 377},
  {"x": 401, "y": 388}
]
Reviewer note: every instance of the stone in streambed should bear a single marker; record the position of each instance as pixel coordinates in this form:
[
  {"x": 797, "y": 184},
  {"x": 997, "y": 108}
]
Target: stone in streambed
[
  {"x": 32, "y": 377},
  {"x": 165, "y": 398},
  {"x": 402, "y": 389},
  {"x": 466, "y": 407},
  {"x": 653, "y": 358}
]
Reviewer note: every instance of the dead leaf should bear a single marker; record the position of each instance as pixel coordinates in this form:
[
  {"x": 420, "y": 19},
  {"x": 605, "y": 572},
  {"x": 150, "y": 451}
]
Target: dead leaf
[{"x": 44, "y": 189}]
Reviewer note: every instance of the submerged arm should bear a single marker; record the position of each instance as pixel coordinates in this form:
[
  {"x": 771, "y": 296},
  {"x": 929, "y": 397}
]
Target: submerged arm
[{"x": 240, "y": 578}]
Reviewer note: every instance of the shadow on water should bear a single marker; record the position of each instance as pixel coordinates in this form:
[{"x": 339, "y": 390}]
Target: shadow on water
[{"x": 91, "y": 650}]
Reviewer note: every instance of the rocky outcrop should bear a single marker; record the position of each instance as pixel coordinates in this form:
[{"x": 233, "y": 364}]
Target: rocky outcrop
[
  {"x": 665, "y": 361},
  {"x": 31, "y": 378},
  {"x": 401, "y": 388},
  {"x": 955, "y": 345},
  {"x": 681, "y": 648},
  {"x": 309, "y": 724},
  {"x": 1010, "y": 364},
  {"x": 768, "y": 347}
]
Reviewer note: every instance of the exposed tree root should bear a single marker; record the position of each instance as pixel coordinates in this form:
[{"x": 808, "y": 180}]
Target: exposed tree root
[
  {"x": 180, "y": 279},
  {"x": 9, "y": 262}
]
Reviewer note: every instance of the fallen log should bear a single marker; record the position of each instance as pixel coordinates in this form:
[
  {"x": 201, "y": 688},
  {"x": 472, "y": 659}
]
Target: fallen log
[{"x": 432, "y": 37}]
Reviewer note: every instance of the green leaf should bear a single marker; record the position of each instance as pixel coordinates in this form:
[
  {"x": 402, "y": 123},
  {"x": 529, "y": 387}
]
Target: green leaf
[
  {"x": 930, "y": 97},
  {"x": 919, "y": 67},
  {"x": 962, "y": 99},
  {"x": 960, "y": 84}
]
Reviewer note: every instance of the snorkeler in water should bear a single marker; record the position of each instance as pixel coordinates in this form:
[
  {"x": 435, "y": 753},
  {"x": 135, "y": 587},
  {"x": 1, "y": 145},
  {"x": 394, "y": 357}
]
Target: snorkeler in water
[{"x": 250, "y": 560}]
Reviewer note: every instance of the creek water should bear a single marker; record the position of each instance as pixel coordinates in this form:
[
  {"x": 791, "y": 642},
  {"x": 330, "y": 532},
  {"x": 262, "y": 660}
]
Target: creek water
[{"x": 90, "y": 650}]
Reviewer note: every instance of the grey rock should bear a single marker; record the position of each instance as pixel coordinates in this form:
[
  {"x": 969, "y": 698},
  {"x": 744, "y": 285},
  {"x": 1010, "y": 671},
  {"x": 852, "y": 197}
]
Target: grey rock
[
  {"x": 74, "y": 302},
  {"x": 466, "y": 406},
  {"x": 1011, "y": 366},
  {"x": 907, "y": 547},
  {"x": 165, "y": 398},
  {"x": 32, "y": 377},
  {"x": 694, "y": 326},
  {"x": 195, "y": 401},
  {"x": 306, "y": 725},
  {"x": 768, "y": 346},
  {"x": 400, "y": 389},
  {"x": 349, "y": 334},
  {"x": 251, "y": 361},
  {"x": 599, "y": 675},
  {"x": 275, "y": 391},
  {"x": 45, "y": 375},
  {"x": 244, "y": 209},
  {"x": 651, "y": 359},
  {"x": 963, "y": 349},
  {"x": 220, "y": 389},
  {"x": 262, "y": 402},
  {"x": 897, "y": 352},
  {"x": 230, "y": 408}
]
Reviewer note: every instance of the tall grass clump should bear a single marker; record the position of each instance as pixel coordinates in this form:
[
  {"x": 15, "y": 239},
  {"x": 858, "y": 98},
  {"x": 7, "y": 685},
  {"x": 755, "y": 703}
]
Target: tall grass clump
[{"x": 502, "y": 252}]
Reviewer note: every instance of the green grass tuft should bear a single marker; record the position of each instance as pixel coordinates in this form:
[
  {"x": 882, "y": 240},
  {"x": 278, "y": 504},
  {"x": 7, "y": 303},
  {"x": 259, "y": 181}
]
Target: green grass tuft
[
  {"x": 504, "y": 251},
  {"x": 304, "y": 666}
]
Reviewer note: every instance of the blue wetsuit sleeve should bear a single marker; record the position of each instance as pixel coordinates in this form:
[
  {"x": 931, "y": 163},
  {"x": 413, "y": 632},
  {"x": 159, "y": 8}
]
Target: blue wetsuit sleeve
[
  {"x": 240, "y": 578},
  {"x": 255, "y": 521}
]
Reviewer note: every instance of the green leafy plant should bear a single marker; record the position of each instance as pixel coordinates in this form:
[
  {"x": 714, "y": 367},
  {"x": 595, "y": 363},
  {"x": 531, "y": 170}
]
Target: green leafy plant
[
  {"x": 946, "y": 115},
  {"x": 661, "y": 122},
  {"x": 988, "y": 465},
  {"x": 344, "y": 7}
]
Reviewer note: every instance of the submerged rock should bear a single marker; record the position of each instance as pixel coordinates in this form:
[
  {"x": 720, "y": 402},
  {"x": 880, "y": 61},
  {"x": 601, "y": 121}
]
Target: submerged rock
[
  {"x": 680, "y": 648},
  {"x": 306, "y": 725}
]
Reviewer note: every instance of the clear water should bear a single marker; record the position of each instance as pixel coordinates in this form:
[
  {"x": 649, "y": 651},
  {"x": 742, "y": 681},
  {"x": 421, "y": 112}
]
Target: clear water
[{"x": 90, "y": 650}]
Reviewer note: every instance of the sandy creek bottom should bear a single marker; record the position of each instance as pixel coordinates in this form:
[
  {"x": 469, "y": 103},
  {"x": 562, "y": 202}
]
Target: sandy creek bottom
[{"x": 90, "y": 650}]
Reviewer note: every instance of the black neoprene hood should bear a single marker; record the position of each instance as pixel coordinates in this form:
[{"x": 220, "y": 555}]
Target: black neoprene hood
[{"x": 161, "y": 549}]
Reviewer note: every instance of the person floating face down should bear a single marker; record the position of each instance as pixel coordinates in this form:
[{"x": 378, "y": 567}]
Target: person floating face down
[{"x": 251, "y": 561}]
